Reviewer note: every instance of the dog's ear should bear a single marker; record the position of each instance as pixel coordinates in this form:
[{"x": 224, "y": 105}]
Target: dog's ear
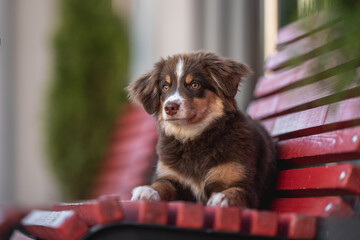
[
  {"x": 145, "y": 90},
  {"x": 225, "y": 72}
]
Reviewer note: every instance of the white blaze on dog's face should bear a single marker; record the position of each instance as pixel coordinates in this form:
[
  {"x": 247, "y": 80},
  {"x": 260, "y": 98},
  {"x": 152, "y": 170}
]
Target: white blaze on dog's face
[{"x": 187, "y": 93}]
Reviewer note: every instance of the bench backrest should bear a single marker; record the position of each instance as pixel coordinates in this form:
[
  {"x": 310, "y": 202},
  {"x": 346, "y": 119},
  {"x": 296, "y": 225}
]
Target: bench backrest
[
  {"x": 130, "y": 156},
  {"x": 316, "y": 124}
]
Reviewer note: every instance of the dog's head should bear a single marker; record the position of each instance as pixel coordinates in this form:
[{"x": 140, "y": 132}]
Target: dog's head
[{"x": 188, "y": 92}]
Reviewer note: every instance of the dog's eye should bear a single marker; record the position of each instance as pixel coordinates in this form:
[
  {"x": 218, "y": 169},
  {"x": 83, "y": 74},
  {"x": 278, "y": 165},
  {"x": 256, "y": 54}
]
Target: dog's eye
[
  {"x": 195, "y": 85},
  {"x": 165, "y": 88}
]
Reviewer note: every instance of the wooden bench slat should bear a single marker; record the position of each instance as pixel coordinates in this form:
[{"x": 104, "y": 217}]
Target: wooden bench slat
[
  {"x": 307, "y": 72},
  {"x": 17, "y": 235},
  {"x": 223, "y": 219},
  {"x": 318, "y": 207},
  {"x": 145, "y": 212},
  {"x": 63, "y": 225},
  {"x": 10, "y": 217},
  {"x": 186, "y": 215},
  {"x": 133, "y": 113},
  {"x": 114, "y": 188},
  {"x": 296, "y": 226},
  {"x": 99, "y": 211},
  {"x": 133, "y": 129},
  {"x": 131, "y": 211},
  {"x": 305, "y": 27},
  {"x": 153, "y": 213},
  {"x": 262, "y": 223},
  {"x": 320, "y": 42},
  {"x": 343, "y": 179},
  {"x": 133, "y": 144},
  {"x": 114, "y": 185},
  {"x": 339, "y": 145},
  {"x": 302, "y": 98},
  {"x": 317, "y": 120},
  {"x": 121, "y": 159},
  {"x": 119, "y": 175}
]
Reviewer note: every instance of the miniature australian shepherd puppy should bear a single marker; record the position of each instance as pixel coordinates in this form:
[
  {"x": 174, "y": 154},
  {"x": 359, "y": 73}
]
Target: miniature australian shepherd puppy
[{"x": 208, "y": 151}]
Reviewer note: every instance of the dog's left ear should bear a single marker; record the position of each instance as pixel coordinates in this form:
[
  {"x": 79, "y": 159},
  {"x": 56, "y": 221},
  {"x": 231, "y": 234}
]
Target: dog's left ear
[
  {"x": 145, "y": 90},
  {"x": 226, "y": 73}
]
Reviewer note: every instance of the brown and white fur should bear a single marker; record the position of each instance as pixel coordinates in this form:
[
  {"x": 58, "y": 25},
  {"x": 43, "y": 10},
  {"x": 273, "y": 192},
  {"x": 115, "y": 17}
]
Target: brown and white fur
[{"x": 208, "y": 150}]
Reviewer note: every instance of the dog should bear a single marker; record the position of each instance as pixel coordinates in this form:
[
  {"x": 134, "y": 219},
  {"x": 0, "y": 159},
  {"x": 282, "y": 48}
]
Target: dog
[{"x": 208, "y": 151}]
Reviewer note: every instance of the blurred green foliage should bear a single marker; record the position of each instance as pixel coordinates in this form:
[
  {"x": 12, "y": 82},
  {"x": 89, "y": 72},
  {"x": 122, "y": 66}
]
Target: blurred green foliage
[
  {"x": 346, "y": 29},
  {"x": 344, "y": 35},
  {"x": 288, "y": 10},
  {"x": 91, "y": 64}
]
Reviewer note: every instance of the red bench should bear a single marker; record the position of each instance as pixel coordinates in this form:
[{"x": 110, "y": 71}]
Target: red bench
[
  {"x": 317, "y": 128},
  {"x": 130, "y": 155},
  {"x": 315, "y": 124}
]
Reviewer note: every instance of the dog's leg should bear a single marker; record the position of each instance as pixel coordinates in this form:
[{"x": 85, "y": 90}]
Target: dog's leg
[
  {"x": 159, "y": 190},
  {"x": 234, "y": 196}
]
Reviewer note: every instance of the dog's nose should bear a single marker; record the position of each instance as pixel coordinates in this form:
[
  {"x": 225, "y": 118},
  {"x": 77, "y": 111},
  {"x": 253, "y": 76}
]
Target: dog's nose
[{"x": 171, "y": 108}]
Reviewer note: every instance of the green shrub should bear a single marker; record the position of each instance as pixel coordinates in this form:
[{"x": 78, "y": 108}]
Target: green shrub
[{"x": 90, "y": 72}]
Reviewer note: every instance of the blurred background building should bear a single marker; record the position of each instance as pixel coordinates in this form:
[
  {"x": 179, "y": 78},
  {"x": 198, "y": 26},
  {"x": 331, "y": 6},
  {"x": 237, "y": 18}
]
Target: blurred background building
[{"x": 241, "y": 29}]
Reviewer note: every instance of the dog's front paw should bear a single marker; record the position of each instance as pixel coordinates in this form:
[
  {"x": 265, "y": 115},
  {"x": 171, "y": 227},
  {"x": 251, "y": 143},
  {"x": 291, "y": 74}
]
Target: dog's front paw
[
  {"x": 218, "y": 200},
  {"x": 144, "y": 193}
]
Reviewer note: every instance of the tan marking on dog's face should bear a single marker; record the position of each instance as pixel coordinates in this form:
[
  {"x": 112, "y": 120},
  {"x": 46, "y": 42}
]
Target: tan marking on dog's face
[
  {"x": 202, "y": 108},
  {"x": 165, "y": 172},
  {"x": 201, "y": 105},
  {"x": 227, "y": 173},
  {"x": 168, "y": 79},
  {"x": 188, "y": 79},
  {"x": 217, "y": 106}
]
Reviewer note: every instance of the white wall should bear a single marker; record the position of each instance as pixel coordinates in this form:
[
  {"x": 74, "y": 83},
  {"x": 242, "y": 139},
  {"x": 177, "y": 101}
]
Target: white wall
[
  {"x": 6, "y": 115},
  {"x": 160, "y": 28},
  {"x": 33, "y": 31}
]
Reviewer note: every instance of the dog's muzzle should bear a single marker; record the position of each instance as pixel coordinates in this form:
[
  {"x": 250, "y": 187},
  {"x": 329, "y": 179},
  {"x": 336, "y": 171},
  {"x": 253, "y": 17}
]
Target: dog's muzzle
[{"x": 171, "y": 108}]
